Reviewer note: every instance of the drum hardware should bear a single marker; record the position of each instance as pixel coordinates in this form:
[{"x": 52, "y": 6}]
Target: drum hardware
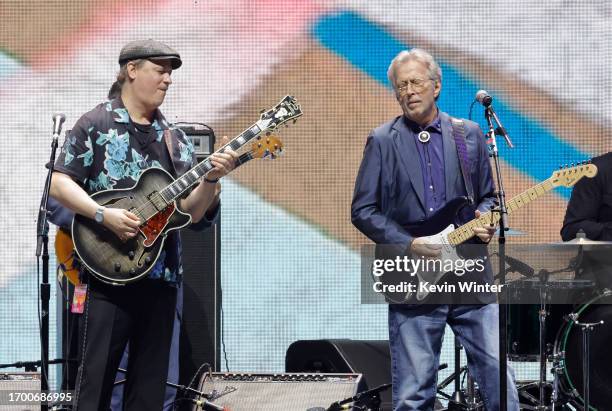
[
  {"x": 542, "y": 384},
  {"x": 569, "y": 360},
  {"x": 557, "y": 371},
  {"x": 586, "y": 329},
  {"x": 544, "y": 274},
  {"x": 471, "y": 394},
  {"x": 545, "y": 287},
  {"x": 461, "y": 400}
]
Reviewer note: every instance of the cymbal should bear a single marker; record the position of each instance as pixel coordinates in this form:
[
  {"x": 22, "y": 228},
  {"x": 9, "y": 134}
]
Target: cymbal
[
  {"x": 582, "y": 241},
  {"x": 561, "y": 284}
]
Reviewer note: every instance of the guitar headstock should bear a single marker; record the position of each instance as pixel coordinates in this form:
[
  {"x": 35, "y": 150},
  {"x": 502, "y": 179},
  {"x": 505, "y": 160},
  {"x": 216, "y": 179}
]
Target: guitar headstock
[
  {"x": 266, "y": 147},
  {"x": 568, "y": 176},
  {"x": 287, "y": 109}
]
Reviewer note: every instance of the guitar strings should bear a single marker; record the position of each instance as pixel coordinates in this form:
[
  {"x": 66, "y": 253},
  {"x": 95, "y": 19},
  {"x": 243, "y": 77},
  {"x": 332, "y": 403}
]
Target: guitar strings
[{"x": 147, "y": 210}]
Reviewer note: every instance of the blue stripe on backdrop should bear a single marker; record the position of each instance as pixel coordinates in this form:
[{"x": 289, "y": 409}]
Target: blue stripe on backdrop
[
  {"x": 370, "y": 48},
  {"x": 8, "y": 65},
  {"x": 19, "y": 332}
]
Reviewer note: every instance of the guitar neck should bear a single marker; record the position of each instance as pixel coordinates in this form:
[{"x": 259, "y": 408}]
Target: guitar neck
[
  {"x": 190, "y": 178},
  {"x": 465, "y": 232}
]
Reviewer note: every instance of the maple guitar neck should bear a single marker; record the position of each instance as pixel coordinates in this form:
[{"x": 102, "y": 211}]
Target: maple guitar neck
[{"x": 566, "y": 177}]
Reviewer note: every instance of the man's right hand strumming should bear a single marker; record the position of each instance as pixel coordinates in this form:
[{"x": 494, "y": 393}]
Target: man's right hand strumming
[
  {"x": 421, "y": 247},
  {"x": 123, "y": 223}
]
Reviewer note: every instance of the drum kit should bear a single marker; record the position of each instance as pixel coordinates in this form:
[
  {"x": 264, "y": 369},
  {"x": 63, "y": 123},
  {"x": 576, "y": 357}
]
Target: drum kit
[{"x": 574, "y": 338}]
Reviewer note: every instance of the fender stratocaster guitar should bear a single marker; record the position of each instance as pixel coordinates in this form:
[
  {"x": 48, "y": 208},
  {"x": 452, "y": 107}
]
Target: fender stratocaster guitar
[{"x": 449, "y": 236}]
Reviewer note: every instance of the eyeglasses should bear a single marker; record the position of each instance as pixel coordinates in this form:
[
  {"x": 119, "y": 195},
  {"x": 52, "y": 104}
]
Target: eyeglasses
[{"x": 417, "y": 84}]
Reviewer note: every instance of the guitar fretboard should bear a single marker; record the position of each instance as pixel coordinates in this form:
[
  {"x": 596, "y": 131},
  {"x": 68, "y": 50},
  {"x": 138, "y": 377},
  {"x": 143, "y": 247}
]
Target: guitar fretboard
[
  {"x": 191, "y": 177},
  {"x": 287, "y": 109},
  {"x": 465, "y": 232}
]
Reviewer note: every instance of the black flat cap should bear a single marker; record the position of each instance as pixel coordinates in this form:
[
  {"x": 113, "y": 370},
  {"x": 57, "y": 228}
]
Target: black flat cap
[{"x": 149, "y": 49}]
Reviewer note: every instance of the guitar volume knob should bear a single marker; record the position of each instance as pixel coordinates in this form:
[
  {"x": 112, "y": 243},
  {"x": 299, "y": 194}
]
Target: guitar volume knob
[
  {"x": 131, "y": 255},
  {"x": 117, "y": 267}
]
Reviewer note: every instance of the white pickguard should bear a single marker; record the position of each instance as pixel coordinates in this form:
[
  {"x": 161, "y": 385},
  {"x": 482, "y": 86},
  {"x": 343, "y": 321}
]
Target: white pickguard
[{"x": 448, "y": 253}]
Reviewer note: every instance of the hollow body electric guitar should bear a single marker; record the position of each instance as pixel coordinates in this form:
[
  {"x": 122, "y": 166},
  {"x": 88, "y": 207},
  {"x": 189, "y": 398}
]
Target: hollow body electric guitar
[
  {"x": 154, "y": 200},
  {"x": 440, "y": 230},
  {"x": 270, "y": 148}
]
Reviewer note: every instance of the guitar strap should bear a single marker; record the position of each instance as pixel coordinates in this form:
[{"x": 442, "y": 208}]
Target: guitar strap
[
  {"x": 459, "y": 137},
  {"x": 168, "y": 140}
]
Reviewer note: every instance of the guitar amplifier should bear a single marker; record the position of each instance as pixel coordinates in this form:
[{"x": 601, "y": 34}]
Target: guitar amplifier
[
  {"x": 371, "y": 359},
  {"x": 202, "y": 137},
  {"x": 277, "y": 392},
  {"x": 18, "y": 382}
]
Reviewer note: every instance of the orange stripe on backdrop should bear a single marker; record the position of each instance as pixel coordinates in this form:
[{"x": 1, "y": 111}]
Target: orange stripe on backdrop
[
  {"x": 314, "y": 178},
  {"x": 47, "y": 32},
  {"x": 584, "y": 132}
]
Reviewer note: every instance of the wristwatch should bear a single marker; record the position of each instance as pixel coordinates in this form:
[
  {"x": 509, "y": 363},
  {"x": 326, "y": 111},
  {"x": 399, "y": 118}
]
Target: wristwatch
[{"x": 100, "y": 215}]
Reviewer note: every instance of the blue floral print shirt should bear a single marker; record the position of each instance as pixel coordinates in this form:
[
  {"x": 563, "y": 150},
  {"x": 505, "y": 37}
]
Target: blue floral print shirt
[{"x": 107, "y": 150}]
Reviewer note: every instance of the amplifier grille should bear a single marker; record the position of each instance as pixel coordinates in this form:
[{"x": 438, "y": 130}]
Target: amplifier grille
[{"x": 278, "y": 392}]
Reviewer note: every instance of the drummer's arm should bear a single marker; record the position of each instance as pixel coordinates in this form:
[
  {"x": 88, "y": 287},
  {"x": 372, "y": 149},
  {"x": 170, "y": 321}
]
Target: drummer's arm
[{"x": 583, "y": 212}]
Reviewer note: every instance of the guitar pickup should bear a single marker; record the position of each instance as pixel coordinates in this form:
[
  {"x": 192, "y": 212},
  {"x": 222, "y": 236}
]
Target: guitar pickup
[{"x": 158, "y": 202}]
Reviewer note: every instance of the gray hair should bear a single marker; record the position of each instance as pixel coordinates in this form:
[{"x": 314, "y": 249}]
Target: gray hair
[{"x": 435, "y": 73}]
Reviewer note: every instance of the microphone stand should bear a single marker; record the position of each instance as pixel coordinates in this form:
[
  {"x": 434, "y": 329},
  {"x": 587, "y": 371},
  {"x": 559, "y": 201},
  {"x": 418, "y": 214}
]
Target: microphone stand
[
  {"x": 372, "y": 395},
  {"x": 503, "y": 224},
  {"x": 42, "y": 248}
]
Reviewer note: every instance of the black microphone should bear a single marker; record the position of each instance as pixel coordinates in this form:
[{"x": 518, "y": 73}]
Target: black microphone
[
  {"x": 484, "y": 98},
  {"x": 519, "y": 266},
  {"x": 58, "y": 120}
]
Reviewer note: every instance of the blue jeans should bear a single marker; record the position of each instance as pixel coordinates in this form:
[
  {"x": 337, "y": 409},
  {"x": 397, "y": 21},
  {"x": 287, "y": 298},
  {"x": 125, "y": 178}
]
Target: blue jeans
[{"x": 415, "y": 341}]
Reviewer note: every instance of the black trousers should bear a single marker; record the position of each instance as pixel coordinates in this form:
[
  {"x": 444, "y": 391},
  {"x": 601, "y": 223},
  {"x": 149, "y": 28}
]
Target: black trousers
[{"x": 141, "y": 313}]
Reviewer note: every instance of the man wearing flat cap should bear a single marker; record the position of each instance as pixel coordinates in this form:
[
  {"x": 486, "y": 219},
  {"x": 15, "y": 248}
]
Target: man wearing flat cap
[{"x": 108, "y": 148}]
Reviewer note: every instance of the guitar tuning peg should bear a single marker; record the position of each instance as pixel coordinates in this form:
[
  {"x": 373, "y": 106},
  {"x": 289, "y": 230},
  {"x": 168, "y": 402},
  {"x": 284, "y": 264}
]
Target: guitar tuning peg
[{"x": 268, "y": 133}]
